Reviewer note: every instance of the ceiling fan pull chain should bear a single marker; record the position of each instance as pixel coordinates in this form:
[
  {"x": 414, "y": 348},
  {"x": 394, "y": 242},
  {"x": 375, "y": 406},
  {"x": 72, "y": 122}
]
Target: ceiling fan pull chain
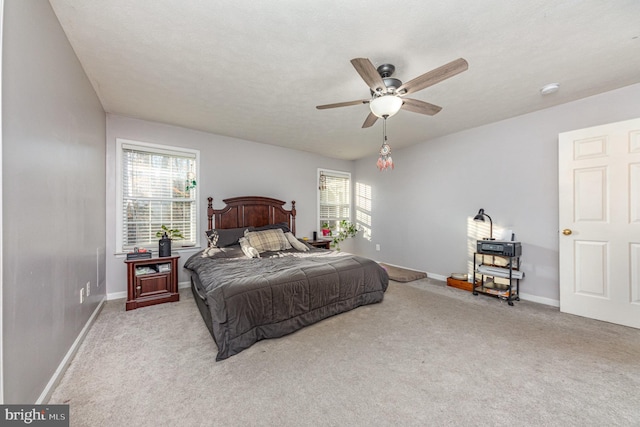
[
  {"x": 384, "y": 130},
  {"x": 385, "y": 161}
]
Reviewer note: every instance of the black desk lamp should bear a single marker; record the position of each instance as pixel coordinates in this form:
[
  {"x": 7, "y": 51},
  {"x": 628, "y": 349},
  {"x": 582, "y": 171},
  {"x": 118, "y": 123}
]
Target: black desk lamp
[{"x": 480, "y": 217}]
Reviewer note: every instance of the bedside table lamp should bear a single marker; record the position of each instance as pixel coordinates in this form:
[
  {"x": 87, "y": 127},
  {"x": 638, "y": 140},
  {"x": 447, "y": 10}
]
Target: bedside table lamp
[{"x": 480, "y": 217}]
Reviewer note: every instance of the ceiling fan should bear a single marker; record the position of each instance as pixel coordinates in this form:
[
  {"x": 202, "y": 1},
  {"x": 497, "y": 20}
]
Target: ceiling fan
[{"x": 387, "y": 93}]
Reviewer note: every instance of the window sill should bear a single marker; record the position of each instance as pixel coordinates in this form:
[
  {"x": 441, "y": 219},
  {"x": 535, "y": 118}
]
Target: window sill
[{"x": 155, "y": 251}]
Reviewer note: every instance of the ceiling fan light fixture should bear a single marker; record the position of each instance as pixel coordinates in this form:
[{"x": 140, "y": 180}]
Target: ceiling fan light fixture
[
  {"x": 387, "y": 92},
  {"x": 385, "y": 105}
]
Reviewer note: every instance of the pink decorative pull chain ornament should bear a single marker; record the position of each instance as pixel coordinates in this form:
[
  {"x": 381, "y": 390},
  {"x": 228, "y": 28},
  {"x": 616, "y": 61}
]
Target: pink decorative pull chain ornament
[{"x": 385, "y": 161}]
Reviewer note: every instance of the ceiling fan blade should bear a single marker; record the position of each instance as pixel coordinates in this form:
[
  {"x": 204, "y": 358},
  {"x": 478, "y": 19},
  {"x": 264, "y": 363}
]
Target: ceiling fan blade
[
  {"x": 369, "y": 121},
  {"x": 434, "y": 76},
  {"x": 343, "y": 104},
  {"x": 420, "y": 107},
  {"x": 369, "y": 74}
]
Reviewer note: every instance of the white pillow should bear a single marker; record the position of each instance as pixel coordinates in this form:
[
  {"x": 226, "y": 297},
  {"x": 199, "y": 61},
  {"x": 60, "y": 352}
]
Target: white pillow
[
  {"x": 248, "y": 250},
  {"x": 297, "y": 244}
]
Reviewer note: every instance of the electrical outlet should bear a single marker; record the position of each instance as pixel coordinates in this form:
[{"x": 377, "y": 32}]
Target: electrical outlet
[
  {"x": 88, "y": 288},
  {"x": 81, "y": 295},
  {"x": 377, "y": 246}
]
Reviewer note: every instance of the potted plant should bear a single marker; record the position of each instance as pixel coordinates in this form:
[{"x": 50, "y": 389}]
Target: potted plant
[
  {"x": 166, "y": 234},
  {"x": 326, "y": 229},
  {"x": 347, "y": 229},
  {"x": 170, "y": 232}
]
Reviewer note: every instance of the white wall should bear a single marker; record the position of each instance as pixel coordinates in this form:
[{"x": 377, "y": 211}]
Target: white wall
[
  {"x": 53, "y": 219},
  {"x": 1, "y": 269},
  {"x": 422, "y": 209},
  {"x": 229, "y": 168}
]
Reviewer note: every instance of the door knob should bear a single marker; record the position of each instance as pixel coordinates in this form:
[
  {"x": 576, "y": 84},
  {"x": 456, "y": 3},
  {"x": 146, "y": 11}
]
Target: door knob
[{"x": 566, "y": 232}]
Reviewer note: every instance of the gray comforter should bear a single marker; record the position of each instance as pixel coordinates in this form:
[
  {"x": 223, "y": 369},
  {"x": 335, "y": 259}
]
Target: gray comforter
[{"x": 256, "y": 298}]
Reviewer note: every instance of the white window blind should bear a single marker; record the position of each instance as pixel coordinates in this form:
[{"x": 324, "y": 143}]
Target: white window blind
[
  {"x": 334, "y": 197},
  {"x": 157, "y": 190}
]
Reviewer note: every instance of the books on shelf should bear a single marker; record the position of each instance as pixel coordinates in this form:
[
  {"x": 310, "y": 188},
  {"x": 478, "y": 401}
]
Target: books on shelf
[
  {"x": 146, "y": 269},
  {"x": 503, "y": 293}
]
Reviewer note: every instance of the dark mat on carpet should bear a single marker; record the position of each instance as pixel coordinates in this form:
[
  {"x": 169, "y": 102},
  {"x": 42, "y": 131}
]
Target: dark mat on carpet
[{"x": 402, "y": 274}]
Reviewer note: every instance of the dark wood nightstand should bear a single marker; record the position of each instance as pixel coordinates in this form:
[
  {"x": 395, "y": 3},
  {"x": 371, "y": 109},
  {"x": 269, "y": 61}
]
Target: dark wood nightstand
[
  {"x": 152, "y": 281},
  {"x": 326, "y": 244}
]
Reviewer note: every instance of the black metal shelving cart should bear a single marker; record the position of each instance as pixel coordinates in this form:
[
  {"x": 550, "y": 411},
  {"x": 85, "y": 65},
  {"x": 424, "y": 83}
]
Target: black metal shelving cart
[{"x": 497, "y": 275}]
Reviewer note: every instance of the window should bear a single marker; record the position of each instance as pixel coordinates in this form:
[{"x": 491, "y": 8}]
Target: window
[
  {"x": 334, "y": 198},
  {"x": 157, "y": 186},
  {"x": 363, "y": 209}
]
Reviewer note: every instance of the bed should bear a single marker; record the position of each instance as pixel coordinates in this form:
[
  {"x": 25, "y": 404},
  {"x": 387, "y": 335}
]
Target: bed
[{"x": 247, "y": 290}]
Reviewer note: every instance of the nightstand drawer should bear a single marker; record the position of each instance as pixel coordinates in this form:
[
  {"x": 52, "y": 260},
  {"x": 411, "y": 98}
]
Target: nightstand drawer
[{"x": 152, "y": 284}]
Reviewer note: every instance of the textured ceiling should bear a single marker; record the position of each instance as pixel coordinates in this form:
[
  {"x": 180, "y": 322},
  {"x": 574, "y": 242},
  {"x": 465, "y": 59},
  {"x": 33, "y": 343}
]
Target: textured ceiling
[{"x": 256, "y": 69}]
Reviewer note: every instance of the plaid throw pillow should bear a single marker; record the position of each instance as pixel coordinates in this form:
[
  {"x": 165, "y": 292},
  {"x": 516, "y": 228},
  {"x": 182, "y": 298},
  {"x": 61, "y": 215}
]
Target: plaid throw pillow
[{"x": 267, "y": 240}]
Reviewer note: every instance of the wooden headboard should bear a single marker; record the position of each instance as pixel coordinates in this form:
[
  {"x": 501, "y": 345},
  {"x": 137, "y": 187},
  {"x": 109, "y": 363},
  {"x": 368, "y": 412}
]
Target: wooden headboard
[{"x": 251, "y": 211}]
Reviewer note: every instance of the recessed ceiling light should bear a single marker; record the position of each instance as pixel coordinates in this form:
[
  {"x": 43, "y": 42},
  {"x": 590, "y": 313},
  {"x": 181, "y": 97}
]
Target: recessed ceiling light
[{"x": 550, "y": 88}]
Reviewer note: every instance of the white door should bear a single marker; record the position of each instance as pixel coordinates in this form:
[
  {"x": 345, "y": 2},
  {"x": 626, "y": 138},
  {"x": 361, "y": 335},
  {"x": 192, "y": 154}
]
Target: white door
[{"x": 599, "y": 183}]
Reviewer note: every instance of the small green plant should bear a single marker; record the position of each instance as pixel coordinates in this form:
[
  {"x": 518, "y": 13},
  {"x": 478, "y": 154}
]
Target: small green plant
[
  {"x": 173, "y": 234},
  {"x": 327, "y": 230},
  {"x": 347, "y": 229}
]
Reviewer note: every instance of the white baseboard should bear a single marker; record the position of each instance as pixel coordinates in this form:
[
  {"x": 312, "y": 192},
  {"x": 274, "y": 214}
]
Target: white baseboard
[
  {"x": 437, "y": 277},
  {"x": 66, "y": 361},
  {"x": 540, "y": 300},
  {"x": 116, "y": 295}
]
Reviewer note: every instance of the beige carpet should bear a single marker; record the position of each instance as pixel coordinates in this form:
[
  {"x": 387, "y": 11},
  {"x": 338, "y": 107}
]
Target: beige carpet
[
  {"x": 403, "y": 274},
  {"x": 427, "y": 355}
]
